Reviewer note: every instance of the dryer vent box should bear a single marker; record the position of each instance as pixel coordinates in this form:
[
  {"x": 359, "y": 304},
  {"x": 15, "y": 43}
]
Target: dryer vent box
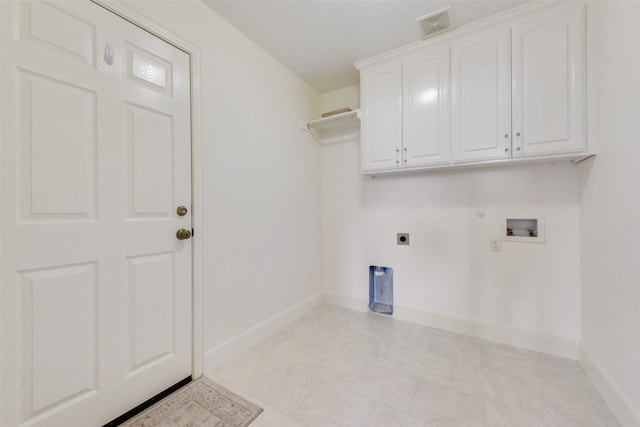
[{"x": 381, "y": 289}]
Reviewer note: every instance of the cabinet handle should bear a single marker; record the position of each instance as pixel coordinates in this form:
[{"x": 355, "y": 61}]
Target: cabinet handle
[
  {"x": 506, "y": 135},
  {"x": 506, "y": 150},
  {"x": 518, "y": 148},
  {"x": 518, "y": 134}
]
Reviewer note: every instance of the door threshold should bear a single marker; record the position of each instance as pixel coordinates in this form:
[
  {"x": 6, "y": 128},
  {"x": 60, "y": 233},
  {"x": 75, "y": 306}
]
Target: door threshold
[{"x": 144, "y": 405}]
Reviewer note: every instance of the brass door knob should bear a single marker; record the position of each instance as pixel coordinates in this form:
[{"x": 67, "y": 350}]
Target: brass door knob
[
  {"x": 183, "y": 234},
  {"x": 182, "y": 211}
]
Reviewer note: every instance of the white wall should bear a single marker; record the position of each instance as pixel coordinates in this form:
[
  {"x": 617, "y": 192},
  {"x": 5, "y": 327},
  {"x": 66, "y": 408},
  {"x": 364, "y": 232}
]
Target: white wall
[
  {"x": 611, "y": 215},
  {"x": 261, "y": 176},
  {"x": 448, "y": 269}
]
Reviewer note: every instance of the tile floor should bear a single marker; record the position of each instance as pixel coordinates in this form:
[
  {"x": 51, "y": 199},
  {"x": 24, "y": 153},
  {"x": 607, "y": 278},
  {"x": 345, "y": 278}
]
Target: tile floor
[{"x": 336, "y": 367}]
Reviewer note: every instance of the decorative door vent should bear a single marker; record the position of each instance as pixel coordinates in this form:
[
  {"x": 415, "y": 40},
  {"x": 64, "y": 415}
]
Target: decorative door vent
[{"x": 436, "y": 22}]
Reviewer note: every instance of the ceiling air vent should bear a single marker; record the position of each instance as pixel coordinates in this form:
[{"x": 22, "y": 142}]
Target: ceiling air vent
[{"x": 436, "y": 22}]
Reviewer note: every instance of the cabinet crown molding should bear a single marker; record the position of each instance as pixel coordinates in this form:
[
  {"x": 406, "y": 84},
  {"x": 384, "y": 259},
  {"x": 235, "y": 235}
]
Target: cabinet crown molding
[{"x": 505, "y": 18}]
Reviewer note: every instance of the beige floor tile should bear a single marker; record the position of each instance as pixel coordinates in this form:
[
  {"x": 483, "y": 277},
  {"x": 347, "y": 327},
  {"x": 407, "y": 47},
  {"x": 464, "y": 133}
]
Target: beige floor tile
[
  {"x": 245, "y": 370},
  {"x": 564, "y": 405},
  {"x": 365, "y": 348},
  {"x": 384, "y": 385},
  {"x": 383, "y": 416},
  {"x": 406, "y": 334},
  {"x": 426, "y": 366},
  {"x": 331, "y": 368},
  {"x": 464, "y": 422},
  {"x": 458, "y": 349},
  {"x": 487, "y": 384},
  {"x": 271, "y": 417},
  {"x": 445, "y": 405},
  {"x": 265, "y": 356},
  {"x": 496, "y": 415},
  {"x": 505, "y": 358},
  {"x": 331, "y": 406},
  {"x": 286, "y": 387}
]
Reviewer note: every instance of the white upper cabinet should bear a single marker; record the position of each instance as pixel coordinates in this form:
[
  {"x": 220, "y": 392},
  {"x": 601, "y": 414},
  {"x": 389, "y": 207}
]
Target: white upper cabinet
[
  {"x": 381, "y": 121},
  {"x": 481, "y": 96},
  {"x": 549, "y": 83},
  {"x": 405, "y": 112},
  {"x": 425, "y": 107},
  {"x": 503, "y": 91}
]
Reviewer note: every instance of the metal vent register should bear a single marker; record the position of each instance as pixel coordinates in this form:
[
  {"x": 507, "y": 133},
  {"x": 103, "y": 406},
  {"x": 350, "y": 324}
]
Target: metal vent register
[{"x": 436, "y": 22}]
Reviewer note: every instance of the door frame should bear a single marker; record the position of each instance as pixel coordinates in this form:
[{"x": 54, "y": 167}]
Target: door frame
[{"x": 138, "y": 19}]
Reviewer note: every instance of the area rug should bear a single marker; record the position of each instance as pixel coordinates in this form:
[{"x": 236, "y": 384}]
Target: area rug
[{"x": 201, "y": 403}]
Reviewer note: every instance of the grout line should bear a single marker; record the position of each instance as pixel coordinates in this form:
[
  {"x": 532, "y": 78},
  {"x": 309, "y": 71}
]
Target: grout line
[
  {"x": 305, "y": 399},
  {"x": 371, "y": 410}
]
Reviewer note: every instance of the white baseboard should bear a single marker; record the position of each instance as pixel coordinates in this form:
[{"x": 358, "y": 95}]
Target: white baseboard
[
  {"x": 563, "y": 347},
  {"x": 627, "y": 414},
  {"x": 219, "y": 354},
  {"x": 344, "y": 301}
]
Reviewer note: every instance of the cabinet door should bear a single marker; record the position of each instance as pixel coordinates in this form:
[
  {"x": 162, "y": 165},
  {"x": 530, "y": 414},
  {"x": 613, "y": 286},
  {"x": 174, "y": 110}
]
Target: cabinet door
[
  {"x": 381, "y": 112},
  {"x": 481, "y": 96},
  {"x": 548, "y": 83},
  {"x": 425, "y": 105}
]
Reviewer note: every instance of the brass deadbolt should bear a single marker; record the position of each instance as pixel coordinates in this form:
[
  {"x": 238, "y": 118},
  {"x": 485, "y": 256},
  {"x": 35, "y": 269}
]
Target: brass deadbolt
[{"x": 182, "y": 210}]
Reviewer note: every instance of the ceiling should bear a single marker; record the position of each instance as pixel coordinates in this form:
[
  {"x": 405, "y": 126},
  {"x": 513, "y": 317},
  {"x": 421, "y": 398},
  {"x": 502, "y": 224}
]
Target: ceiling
[{"x": 319, "y": 40}]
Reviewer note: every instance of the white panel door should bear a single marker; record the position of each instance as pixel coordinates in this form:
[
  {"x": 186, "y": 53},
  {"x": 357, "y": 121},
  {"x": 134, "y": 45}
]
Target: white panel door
[
  {"x": 381, "y": 117},
  {"x": 548, "y": 83},
  {"x": 425, "y": 108},
  {"x": 481, "y": 96},
  {"x": 96, "y": 288}
]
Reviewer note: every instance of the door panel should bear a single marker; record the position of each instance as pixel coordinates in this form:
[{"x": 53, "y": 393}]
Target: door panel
[
  {"x": 549, "y": 80},
  {"x": 60, "y": 319},
  {"x": 151, "y": 322},
  {"x": 426, "y": 108},
  {"x": 382, "y": 117},
  {"x": 548, "y": 83},
  {"x": 64, "y": 137},
  {"x": 150, "y": 162},
  {"x": 76, "y": 41},
  {"x": 96, "y": 289},
  {"x": 481, "y": 96}
]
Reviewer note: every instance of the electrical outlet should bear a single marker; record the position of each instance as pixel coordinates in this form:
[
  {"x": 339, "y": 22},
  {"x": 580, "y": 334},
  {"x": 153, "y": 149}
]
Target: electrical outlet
[{"x": 495, "y": 245}]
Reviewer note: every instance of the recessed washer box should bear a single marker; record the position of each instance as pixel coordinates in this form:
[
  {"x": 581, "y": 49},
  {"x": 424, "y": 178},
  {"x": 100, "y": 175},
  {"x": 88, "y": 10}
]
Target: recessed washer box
[{"x": 523, "y": 228}]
